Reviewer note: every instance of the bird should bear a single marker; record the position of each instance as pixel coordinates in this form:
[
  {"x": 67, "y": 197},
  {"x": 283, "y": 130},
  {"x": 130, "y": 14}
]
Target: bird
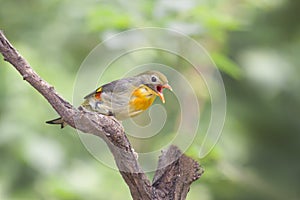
[{"x": 124, "y": 98}]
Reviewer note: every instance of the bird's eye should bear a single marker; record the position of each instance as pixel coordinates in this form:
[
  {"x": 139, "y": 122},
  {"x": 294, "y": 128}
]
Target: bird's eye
[{"x": 153, "y": 79}]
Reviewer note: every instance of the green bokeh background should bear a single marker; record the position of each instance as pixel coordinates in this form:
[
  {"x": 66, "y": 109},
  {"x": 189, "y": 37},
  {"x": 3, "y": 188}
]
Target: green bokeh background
[{"x": 255, "y": 44}]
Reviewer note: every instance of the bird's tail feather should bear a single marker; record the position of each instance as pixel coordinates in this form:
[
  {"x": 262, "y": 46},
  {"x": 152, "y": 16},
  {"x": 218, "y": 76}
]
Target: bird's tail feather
[{"x": 57, "y": 121}]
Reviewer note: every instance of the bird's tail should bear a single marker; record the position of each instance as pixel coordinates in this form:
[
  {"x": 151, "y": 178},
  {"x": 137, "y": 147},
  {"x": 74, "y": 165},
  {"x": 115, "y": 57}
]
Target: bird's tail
[{"x": 57, "y": 121}]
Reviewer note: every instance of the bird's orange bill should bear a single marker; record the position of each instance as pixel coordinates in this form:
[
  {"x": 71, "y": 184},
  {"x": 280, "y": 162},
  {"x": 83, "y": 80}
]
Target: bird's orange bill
[
  {"x": 160, "y": 92},
  {"x": 167, "y": 86}
]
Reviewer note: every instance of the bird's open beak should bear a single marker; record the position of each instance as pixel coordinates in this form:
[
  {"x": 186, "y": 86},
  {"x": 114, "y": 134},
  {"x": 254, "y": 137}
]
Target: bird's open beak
[
  {"x": 167, "y": 86},
  {"x": 160, "y": 92}
]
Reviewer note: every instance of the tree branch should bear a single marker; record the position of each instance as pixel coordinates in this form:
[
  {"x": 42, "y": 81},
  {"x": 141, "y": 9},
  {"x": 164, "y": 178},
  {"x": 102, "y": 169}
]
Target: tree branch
[{"x": 171, "y": 181}]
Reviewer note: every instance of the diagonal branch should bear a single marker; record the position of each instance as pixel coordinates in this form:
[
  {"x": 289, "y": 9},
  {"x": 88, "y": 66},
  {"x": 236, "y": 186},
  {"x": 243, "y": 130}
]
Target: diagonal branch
[
  {"x": 88, "y": 122},
  {"x": 180, "y": 173}
]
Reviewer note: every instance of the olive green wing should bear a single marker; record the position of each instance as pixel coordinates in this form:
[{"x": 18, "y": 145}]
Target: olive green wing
[{"x": 117, "y": 86}]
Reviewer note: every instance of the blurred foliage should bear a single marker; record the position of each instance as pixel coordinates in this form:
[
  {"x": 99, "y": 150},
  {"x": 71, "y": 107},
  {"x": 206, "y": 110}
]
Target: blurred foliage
[{"x": 255, "y": 44}]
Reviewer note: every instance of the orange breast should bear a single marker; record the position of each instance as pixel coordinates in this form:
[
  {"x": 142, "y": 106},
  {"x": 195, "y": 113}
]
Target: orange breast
[{"x": 142, "y": 98}]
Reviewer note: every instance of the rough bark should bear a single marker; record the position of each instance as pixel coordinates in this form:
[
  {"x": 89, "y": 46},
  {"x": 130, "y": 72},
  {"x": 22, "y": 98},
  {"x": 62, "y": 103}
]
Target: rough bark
[{"x": 171, "y": 181}]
